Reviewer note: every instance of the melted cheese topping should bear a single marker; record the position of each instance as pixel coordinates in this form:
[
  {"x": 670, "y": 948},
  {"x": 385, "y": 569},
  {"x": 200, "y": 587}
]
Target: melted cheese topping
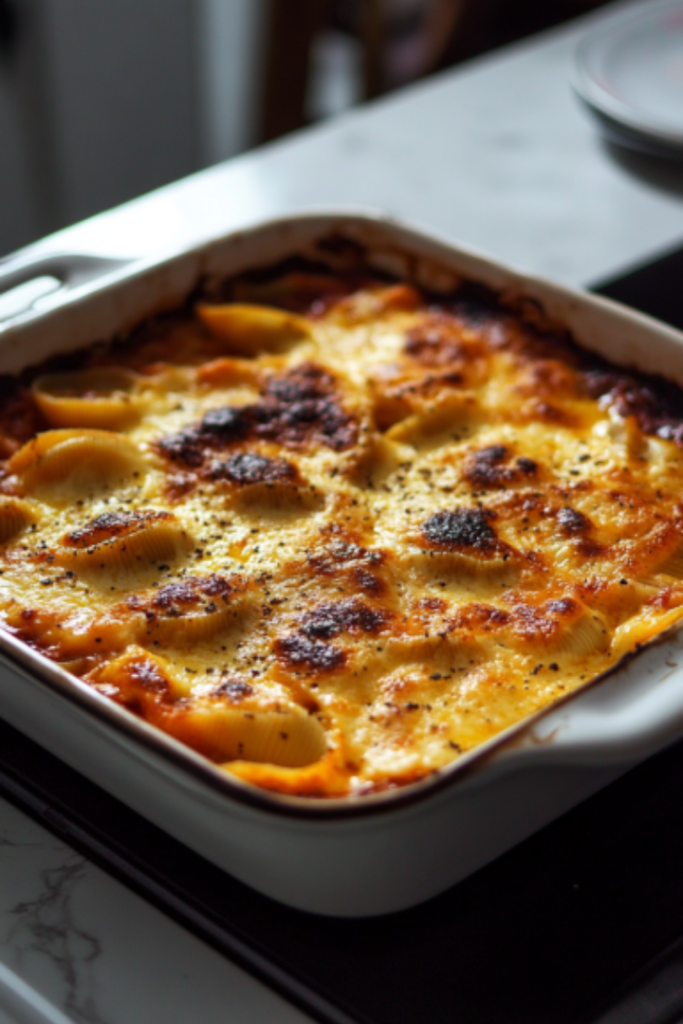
[{"x": 333, "y": 534}]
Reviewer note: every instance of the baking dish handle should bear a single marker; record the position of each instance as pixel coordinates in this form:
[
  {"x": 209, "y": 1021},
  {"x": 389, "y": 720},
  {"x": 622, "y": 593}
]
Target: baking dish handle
[
  {"x": 31, "y": 284},
  {"x": 628, "y": 717}
]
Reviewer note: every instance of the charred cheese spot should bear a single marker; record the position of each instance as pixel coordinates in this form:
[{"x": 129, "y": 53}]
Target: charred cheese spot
[
  {"x": 329, "y": 619},
  {"x": 461, "y": 549},
  {"x": 176, "y": 598},
  {"x": 367, "y": 582},
  {"x": 299, "y": 651},
  {"x": 250, "y": 468},
  {"x": 466, "y": 529},
  {"x": 297, "y": 410},
  {"x": 194, "y": 610},
  {"x": 147, "y": 675},
  {"x": 185, "y": 447},
  {"x": 573, "y": 523},
  {"x": 487, "y": 468},
  {"x": 301, "y": 407},
  {"x": 235, "y": 690},
  {"x": 112, "y": 525},
  {"x": 225, "y": 425}
]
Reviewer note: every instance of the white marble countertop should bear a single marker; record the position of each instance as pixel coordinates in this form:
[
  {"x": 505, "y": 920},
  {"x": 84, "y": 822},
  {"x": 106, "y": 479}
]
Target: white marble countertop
[{"x": 497, "y": 155}]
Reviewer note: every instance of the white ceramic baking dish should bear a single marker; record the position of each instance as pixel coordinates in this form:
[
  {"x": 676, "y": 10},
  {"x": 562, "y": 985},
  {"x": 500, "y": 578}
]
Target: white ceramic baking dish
[{"x": 385, "y": 852}]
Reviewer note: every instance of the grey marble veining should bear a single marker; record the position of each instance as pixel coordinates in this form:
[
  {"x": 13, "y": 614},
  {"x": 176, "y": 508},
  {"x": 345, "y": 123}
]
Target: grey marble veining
[{"x": 101, "y": 954}]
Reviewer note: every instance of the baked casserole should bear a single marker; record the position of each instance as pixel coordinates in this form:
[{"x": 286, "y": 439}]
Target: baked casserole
[{"x": 332, "y": 531}]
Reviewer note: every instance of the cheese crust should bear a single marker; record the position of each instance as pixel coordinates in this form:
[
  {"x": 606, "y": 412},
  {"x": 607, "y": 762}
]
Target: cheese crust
[{"x": 333, "y": 532}]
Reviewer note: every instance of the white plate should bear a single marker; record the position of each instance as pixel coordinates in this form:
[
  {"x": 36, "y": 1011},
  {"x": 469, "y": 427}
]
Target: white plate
[{"x": 630, "y": 73}]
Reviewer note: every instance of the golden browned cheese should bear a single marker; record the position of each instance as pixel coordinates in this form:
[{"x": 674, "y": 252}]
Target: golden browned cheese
[{"x": 333, "y": 533}]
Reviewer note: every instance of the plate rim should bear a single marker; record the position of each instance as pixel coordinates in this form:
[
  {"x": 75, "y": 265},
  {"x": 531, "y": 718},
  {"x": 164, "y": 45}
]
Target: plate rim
[{"x": 590, "y": 90}]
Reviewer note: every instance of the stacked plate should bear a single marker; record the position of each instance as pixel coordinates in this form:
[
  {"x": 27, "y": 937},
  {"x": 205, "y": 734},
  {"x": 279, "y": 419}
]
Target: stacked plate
[{"x": 630, "y": 75}]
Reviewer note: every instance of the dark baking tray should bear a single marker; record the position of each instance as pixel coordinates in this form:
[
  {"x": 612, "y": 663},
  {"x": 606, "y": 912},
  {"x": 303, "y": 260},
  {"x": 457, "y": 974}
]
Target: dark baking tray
[{"x": 579, "y": 924}]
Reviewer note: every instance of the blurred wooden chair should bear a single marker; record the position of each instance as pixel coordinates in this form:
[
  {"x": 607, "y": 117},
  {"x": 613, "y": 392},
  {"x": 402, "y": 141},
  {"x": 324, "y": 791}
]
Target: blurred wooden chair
[
  {"x": 449, "y": 31},
  {"x": 291, "y": 27}
]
